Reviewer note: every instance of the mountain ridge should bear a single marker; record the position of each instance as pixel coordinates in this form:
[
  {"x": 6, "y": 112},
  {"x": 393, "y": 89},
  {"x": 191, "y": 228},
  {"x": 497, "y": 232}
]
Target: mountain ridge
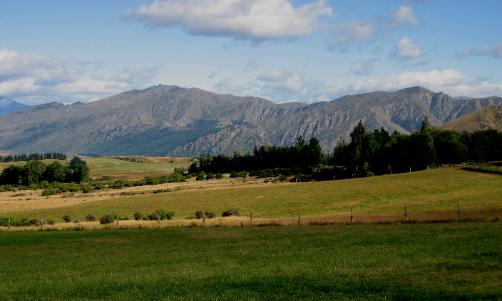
[
  {"x": 8, "y": 105},
  {"x": 171, "y": 120}
]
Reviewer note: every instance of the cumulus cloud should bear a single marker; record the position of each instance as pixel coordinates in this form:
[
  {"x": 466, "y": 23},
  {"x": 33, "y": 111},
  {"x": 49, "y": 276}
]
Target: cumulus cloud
[
  {"x": 35, "y": 79},
  {"x": 450, "y": 81},
  {"x": 276, "y": 85},
  {"x": 360, "y": 31},
  {"x": 494, "y": 51},
  {"x": 257, "y": 20},
  {"x": 405, "y": 16},
  {"x": 407, "y": 49}
]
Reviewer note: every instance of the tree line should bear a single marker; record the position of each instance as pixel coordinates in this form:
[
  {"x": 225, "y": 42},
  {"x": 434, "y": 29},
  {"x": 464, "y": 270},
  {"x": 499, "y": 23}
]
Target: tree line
[
  {"x": 34, "y": 156},
  {"x": 35, "y": 172},
  {"x": 299, "y": 156},
  {"x": 367, "y": 153}
]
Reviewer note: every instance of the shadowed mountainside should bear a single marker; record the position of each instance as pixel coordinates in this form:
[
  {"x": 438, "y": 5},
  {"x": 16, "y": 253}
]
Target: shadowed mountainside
[{"x": 189, "y": 121}]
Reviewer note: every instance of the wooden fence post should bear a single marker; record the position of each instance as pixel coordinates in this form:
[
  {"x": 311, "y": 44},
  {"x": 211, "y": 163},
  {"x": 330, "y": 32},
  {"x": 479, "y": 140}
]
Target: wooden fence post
[
  {"x": 405, "y": 214},
  {"x": 351, "y": 216},
  {"x": 299, "y": 217},
  {"x": 251, "y": 217},
  {"x": 203, "y": 217}
]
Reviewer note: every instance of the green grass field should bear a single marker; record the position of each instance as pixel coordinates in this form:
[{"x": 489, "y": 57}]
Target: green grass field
[
  {"x": 116, "y": 168},
  {"x": 364, "y": 262},
  {"x": 431, "y": 190}
]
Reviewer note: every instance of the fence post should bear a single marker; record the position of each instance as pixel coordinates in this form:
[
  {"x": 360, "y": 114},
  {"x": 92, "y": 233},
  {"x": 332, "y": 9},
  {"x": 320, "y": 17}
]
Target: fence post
[
  {"x": 299, "y": 217},
  {"x": 405, "y": 214},
  {"x": 351, "y": 215},
  {"x": 203, "y": 217}
]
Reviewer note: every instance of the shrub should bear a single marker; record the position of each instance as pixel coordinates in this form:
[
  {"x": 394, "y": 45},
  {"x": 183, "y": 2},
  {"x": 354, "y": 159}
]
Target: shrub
[
  {"x": 230, "y": 212},
  {"x": 50, "y": 222},
  {"x": 201, "y": 176},
  {"x": 86, "y": 188},
  {"x": 106, "y": 219},
  {"x": 123, "y": 218},
  {"x": 154, "y": 216},
  {"x": 199, "y": 214},
  {"x": 210, "y": 176},
  {"x": 218, "y": 176},
  {"x": 35, "y": 222},
  {"x": 90, "y": 218},
  {"x": 50, "y": 191},
  {"x": 164, "y": 214},
  {"x": 238, "y": 174},
  {"x": 138, "y": 216},
  {"x": 210, "y": 214},
  {"x": 66, "y": 218}
]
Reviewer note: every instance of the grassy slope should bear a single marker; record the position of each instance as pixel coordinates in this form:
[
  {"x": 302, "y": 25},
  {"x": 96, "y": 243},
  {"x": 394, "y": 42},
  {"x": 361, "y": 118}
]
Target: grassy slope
[
  {"x": 373, "y": 262},
  {"x": 107, "y": 166},
  {"x": 431, "y": 190},
  {"x": 482, "y": 119}
]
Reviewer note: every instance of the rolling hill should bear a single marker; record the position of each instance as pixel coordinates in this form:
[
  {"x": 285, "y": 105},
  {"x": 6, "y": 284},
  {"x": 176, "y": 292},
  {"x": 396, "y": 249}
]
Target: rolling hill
[
  {"x": 169, "y": 120},
  {"x": 482, "y": 119}
]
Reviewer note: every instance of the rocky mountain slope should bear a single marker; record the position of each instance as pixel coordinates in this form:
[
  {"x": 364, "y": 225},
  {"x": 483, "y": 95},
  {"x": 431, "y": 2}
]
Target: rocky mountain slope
[
  {"x": 179, "y": 121},
  {"x": 8, "y": 105},
  {"x": 482, "y": 119}
]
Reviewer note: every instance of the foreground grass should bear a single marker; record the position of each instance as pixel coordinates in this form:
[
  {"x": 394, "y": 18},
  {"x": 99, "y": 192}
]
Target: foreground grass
[
  {"x": 373, "y": 262},
  {"x": 425, "y": 191}
]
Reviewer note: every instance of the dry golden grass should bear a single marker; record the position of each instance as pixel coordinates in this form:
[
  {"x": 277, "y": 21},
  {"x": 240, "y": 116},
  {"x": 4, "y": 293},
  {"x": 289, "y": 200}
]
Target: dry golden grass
[{"x": 431, "y": 195}]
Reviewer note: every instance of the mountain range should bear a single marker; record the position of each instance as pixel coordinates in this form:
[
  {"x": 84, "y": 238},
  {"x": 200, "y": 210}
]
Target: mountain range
[
  {"x": 8, "y": 106},
  {"x": 170, "y": 120}
]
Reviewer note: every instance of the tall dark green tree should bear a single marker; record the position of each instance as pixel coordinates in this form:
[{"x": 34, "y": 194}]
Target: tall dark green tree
[
  {"x": 56, "y": 172},
  {"x": 33, "y": 172},
  {"x": 78, "y": 170},
  {"x": 359, "y": 150}
]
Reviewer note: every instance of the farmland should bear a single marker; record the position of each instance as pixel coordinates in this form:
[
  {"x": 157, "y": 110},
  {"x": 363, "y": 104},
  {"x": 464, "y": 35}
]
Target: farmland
[
  {"x": 365, "y": 262},
  {"x": 126, "y": 167},
  {"x": 437, "y": 191}
]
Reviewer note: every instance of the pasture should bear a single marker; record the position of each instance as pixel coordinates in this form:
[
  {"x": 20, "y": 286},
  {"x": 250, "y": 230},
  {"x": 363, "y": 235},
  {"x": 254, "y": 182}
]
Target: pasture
[
  {"x": 126, "y": 167},
  {"x": 437, "y": 191},
  {"x": 364, "y": 262}
]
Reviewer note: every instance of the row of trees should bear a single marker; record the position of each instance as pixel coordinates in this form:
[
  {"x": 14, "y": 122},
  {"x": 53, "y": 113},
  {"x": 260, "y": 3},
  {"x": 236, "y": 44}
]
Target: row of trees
[
  {"x": 301, "y": 155},
  {"x": 34, "y": 156},
  {"x": 380, "y": 152},
  {"x": 34, "y": 172},
  {"x": 376, "y": 152}
]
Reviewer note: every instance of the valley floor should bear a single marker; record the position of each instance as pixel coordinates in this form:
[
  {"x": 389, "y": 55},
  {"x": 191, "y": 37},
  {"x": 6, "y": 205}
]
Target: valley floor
[
  {"x": 443, "y": 194},
  {"x": 363, "y": 262}
]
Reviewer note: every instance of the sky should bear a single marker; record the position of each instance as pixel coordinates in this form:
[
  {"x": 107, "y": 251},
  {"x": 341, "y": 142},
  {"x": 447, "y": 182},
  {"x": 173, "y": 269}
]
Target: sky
[{"x": 308, "y": 51}]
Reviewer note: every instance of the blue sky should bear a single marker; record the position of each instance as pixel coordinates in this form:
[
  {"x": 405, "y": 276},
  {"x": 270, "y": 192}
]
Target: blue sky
[{"x": 311, "y": 50}]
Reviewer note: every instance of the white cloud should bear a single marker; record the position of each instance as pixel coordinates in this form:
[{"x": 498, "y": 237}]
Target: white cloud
[
  {"x": 257, "y": 20},
  {"x": 360, "y": 31},
  {"x": 405, "y": 16},
  {"x": 494, "y": 51},
  {"x": 407, "y": 49},
  {"x": 35, "y": 79},
  {"x": 449, "y": 81}
]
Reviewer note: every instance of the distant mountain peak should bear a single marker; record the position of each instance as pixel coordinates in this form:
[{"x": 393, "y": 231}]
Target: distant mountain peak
[
  {"x": 171, "y": 120},
  {"x": 9, "y": 105}
]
